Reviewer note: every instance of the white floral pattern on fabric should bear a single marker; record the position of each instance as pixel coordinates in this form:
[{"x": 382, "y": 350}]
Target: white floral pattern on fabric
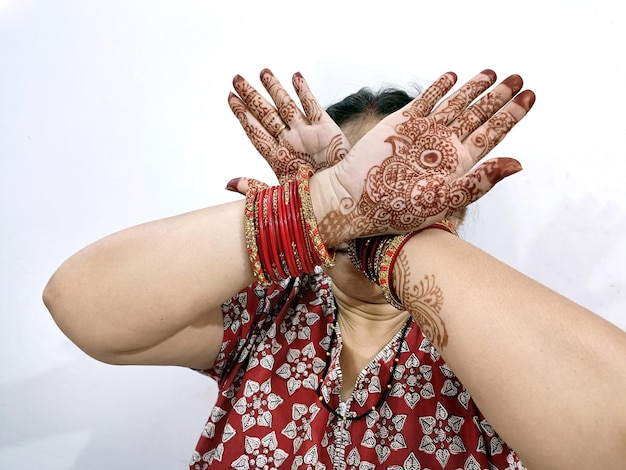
[{"x": 268, "y": 415}]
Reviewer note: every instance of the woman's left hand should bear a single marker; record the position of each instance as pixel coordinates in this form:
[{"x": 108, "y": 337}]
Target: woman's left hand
[{"x": 410, "y": 171}]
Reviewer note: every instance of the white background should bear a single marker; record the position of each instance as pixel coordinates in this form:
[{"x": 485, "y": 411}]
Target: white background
[{"x": 113, "y": 113}]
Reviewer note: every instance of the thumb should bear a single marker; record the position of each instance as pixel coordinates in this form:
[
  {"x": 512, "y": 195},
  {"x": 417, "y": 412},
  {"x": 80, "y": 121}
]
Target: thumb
[
  {"x": 242, "y": 184},
  {"x": 474, "y": 185}
]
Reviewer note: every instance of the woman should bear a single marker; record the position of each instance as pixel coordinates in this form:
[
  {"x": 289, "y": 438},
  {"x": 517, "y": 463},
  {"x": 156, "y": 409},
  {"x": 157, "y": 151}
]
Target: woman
[{"x": 327, "y": 369}]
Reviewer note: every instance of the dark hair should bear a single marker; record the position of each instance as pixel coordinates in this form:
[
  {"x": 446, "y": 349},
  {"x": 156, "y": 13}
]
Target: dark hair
[{"x": 367, "y": 102}]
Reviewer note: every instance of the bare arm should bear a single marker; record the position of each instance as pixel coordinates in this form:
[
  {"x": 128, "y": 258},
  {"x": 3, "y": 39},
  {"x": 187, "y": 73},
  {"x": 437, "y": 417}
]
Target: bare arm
[
  {"x": 548, "y": 374},
  {"x": 152, "y": 294}
]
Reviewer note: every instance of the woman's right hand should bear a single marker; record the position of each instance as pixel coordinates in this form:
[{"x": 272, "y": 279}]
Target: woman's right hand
[
  {"x": 410, "y": 171},
  {"x": 286, "y": 136}
]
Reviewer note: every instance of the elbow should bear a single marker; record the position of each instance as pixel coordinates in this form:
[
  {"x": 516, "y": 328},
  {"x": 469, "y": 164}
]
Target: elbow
[
  {"x": 73, "y": 320},
  {"x": 64, "y": 303},
  {"x": 52, "y": 298}
]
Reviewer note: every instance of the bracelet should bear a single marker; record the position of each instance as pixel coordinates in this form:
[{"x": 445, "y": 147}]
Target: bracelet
[
  {"x": 376, "y": 257},
  {"x": 287, "y": 237},
  {"x": 390, "y": 256},
  {"x": 327, "y": 257},
  {"x": 277, "y": 256},
  {"x": 299, "y": 229},
  {"x": 282, "y": 237},
  {"x": 250, "y": 231},
  {"x": 387, "y": 262}
]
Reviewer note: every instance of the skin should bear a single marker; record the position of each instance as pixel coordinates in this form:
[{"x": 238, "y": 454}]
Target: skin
[{"x": 151, "y": 294}]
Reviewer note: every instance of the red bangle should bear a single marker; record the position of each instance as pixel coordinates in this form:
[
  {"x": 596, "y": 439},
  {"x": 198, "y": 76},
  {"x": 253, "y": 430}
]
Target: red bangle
[
  {"x": 325, "y": 256},
  {"x": 393, "y": 300},
  {"x": 262, "y": 221},
  {"x": 293, "y": 230},
  {"x": 301, "y": 237},
  {"x": 273, "y": 235},
  {"x": 286, "y": 240}
]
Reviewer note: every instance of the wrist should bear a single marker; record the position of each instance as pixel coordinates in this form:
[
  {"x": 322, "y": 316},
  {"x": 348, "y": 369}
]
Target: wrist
[
  {"x": 376, "y": 257},
  {"x": 282, "y": 235},
  {"x": 325, "y": 205}
]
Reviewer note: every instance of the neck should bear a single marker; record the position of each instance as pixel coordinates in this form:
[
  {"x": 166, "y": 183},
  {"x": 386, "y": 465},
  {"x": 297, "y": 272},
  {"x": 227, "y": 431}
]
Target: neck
[
  {"x": 366, "y": 329},
  {"x": 361, "y": 320}
]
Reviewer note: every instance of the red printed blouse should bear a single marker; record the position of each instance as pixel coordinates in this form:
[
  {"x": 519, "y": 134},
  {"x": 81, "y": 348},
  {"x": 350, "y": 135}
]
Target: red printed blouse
[{"x": 268, "y": 414}]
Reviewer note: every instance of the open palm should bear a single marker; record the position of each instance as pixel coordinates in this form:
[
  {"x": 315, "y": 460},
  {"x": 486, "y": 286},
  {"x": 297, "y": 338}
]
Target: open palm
[
  {"x": 410, "y": 171},
  {"x": 286, "y": 136}
]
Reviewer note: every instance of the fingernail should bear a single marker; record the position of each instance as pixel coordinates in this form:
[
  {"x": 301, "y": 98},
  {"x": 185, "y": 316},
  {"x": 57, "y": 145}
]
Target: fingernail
[
  {"x": 500, "y": 169},
  {"x": 232, "y": 185},
  {"x": 511, "y": 168},
  {"x": 507, "y": 167},
  {"x": 514, "y": 82},
  {"x": 490, "y": 73},
  {"x": 525, "y": 99}
]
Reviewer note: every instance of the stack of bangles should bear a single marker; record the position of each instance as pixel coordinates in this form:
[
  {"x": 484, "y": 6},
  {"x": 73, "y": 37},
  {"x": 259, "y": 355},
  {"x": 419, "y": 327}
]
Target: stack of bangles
[
  {"x": 376, "y": 257},
  {"x": 281, "y": 231},
  {"x": 283, "y": 240}
]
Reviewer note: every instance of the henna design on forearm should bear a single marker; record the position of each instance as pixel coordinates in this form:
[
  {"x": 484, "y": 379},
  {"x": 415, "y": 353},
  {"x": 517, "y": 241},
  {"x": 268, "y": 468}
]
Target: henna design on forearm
[{"x": 423, "y": 300}]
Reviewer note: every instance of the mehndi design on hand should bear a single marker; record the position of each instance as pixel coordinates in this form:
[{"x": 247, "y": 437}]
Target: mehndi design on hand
[
  {"x": 411, "y": 170},
  {"x": 285, "y": 136}
]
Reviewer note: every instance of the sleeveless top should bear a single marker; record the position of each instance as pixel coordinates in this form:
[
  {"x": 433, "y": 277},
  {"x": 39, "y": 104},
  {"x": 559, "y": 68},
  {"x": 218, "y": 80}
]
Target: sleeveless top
[{"x": 268, "y": 414}]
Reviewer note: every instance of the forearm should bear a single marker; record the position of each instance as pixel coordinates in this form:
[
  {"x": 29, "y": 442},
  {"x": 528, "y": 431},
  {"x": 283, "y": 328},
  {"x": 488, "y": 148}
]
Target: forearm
[
  {"x": 548, "y": 374},
  {"x": 160, "y": 283}
]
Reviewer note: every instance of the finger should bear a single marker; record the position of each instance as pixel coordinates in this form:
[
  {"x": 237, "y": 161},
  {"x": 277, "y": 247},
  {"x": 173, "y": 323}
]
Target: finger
[
  {"x": 426, "y": 101},
  {"x": 453, "y": 106},
  {"x": 241, "y": 185},
  {"x": 287, "y": 108},
  {"x": 259, "y": 107},
  {"x": 258, "y": 135},
  {"x": 312, "y": 109},
  {"x": 480, "y": 142},
  {"x": 474, "y": 116},
  {"x": 475, "y": 184}
]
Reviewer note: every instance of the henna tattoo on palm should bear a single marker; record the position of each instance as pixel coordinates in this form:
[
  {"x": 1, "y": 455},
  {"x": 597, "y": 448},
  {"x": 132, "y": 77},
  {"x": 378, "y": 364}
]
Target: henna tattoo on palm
[
  {"x": 408, "y": 187},
  {"x": 420, "y": 180},
  {"x": 457, "y": 103},
  {"x": 500, "y": 126}
]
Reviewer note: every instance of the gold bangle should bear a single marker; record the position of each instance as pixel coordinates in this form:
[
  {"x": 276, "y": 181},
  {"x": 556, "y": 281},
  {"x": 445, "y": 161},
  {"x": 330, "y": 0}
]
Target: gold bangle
[
  {"x": 387, "y": 260},
  {"x": 384, "y": 272},
  {"x": 250, "y": 231},
  {"x": 326, "y": 257},
  {"x": 444, "y": 224}
]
